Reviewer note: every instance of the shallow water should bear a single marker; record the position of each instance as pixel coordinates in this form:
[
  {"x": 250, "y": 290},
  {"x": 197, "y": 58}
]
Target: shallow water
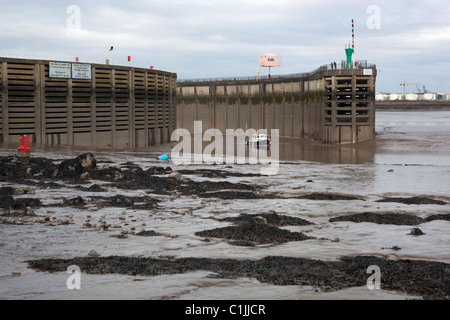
[{"x": 409, "y": 157}]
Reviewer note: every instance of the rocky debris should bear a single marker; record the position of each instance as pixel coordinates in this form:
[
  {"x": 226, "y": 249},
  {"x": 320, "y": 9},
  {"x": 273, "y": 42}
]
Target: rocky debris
[
  {"x": 93, "y": 188},
  {"x": 149, "y": 233},
  {"x": 158, "y": 170},
  {"x": 85, "y": 166},
  {"x": 413, "y": 200},
  {"x": 121, "y": 201},
  {"x": 210, "y": 173},
  {"x": 77, "y": 202},
  {"x": 327, "y": 197},
  {"x": 34, "y": 219},
  {"x": 422, "y": 278},
  {"x": 6, "y": 191},
  {"x": 390, "y": 218},
  {"x": 395, "y": 248},
  {"x": 10, "y": 191},
  {"x": 445, "y": 216},
  {"x": 18, "y": 207},
  {"x": 386, "y": 218},
  {"x": 93, "y": 253},
  {"x": 75, "y": 169},
  {"x": 271, "y": 218},
  {"x": 254, "y": 233},
  {"x": 242, "y": 243},
  {"x": 416, "y": 232},
  {"x": 228, "y": 195},
  {"x": 175, "y": 175}
]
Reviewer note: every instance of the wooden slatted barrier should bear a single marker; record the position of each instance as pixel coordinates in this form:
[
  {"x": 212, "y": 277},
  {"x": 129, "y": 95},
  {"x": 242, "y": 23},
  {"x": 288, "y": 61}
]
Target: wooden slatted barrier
[{"x": 117, "y": 107}]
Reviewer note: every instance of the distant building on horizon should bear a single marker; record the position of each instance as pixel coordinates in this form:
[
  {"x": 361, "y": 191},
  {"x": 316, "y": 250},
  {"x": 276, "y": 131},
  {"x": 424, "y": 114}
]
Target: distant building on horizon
[{"x": 428, "y": 96}]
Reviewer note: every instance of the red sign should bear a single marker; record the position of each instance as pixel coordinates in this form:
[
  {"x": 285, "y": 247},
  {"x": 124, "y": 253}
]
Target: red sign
[
  {"x": 152, "y": 67},
  {"x": 77, "y": 59},
  {"x": 129, "y": 58}
]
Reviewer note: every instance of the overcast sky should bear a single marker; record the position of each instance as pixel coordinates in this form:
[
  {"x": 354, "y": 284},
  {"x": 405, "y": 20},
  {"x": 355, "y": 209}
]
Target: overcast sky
[{"x": 408, "y": 40}]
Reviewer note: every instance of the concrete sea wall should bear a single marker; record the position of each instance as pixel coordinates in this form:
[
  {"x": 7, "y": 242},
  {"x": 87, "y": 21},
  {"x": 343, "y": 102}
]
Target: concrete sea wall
[{"x": 331, "y": 106}]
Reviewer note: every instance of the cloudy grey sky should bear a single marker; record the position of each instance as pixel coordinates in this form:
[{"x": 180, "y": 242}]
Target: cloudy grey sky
[{"x": 408, "y": 40}]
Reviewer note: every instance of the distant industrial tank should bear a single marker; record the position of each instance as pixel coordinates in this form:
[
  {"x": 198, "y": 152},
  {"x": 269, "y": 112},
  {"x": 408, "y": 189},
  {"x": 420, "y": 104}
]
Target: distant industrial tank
[{"x": 268, "y": 61}]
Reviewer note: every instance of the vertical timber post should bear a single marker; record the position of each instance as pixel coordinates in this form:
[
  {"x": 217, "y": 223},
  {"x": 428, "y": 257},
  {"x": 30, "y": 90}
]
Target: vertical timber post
[
  {"x": 93, "y": 108},
  {"x": 5, "y": 111},
  {"x": 113, "y": 108},
  {"x": 70, "y": 138},
  {"x": 39, "y": 100},
  {"x": 146, "y": 127},
  {"x": 131, "y": 114}
]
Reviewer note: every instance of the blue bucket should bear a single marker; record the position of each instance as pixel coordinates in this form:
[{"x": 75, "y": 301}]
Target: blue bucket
[{"x": 163, "y": 157}]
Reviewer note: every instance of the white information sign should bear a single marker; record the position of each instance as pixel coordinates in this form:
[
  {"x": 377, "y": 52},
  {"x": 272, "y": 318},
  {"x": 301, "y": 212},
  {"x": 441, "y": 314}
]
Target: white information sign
[
  {"x": 67, "y": 70},
  {"x": 81, "y": 71},
  {"x": 60, "y": 70}
]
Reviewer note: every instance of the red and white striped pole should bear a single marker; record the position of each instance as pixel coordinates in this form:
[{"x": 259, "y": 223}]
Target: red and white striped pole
[{"x": 353, "y": 41}]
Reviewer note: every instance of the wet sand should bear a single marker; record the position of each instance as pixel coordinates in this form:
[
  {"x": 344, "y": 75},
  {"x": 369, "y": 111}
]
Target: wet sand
[{"x": 227, "y": 232}]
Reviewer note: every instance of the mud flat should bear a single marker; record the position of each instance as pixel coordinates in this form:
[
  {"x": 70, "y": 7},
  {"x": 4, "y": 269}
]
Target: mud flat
[
  {"x": 226, "y": 221},
  {"x": 423, "y": 278}
]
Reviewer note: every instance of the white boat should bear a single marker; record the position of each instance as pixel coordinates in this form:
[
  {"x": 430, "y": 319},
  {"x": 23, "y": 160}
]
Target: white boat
[{"x": 259, "y": 139}]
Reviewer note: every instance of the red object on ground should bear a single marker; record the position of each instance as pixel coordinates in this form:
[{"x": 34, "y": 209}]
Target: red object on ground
[
  {"x": 24, "y": 143},
  {"x": 24, "y": 146}
]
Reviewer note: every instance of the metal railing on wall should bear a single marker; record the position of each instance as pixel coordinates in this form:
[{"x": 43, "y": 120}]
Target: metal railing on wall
[{"x": 362, "y": 64}]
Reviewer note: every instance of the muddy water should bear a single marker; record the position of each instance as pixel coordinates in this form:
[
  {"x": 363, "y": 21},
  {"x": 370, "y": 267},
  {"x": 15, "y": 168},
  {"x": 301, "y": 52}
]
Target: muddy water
[{"x": 410, "y": 157}]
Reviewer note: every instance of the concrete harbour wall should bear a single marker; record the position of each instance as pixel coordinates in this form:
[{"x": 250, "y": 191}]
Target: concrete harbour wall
[{"x": 331, "y": 106}]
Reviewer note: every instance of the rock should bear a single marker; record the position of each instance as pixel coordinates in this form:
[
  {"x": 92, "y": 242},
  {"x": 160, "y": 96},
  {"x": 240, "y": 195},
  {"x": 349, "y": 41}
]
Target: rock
[
  {"x": 175, "y": 175},
  {"x": 77, "y": 202},
  {"x": 85, "y": 176},
  {"x": 120, "y": 236},
  {"x": 260, "y": 220},
  {"x": 149, "y": 233},
  {"x": 16, "y": 273},
  {"x": 395, "y": 248},
  {"x": 391, "y": 170},
  {"x": 87, "y": 161},
  {"x": 416, "y": 232},
  {"x": 120, "y": 201},
  {"x": 93, "y": 253},
  {"x": 74, "y": 168}
]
